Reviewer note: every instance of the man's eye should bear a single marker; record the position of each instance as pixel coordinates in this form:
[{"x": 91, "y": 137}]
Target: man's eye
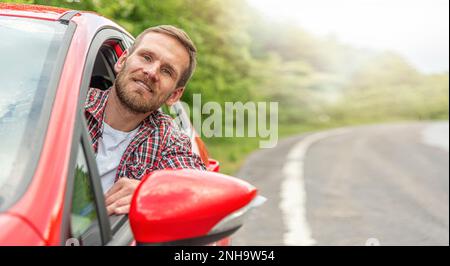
[
  {"x": 147, "y": 58},
  {"x": 166, "y": 72}
]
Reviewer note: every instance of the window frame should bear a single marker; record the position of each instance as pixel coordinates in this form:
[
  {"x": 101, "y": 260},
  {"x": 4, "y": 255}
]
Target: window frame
[
  {"x": 114, "y": 230},
  {"x": 97, "y": 224}
]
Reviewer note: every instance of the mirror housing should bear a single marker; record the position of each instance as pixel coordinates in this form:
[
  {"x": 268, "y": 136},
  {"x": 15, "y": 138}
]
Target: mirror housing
[{"x": 189, "y": 207}]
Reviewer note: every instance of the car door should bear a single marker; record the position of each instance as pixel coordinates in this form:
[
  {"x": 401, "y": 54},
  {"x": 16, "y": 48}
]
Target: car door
[{"x": 85, "y": 219}]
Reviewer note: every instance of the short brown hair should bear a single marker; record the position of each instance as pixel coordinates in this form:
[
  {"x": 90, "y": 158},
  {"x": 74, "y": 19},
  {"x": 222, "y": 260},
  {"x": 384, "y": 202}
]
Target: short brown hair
[{"x": 183, "y": 38}]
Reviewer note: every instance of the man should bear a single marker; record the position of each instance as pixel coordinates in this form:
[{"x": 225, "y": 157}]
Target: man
[{"x": 130, "y": 136}]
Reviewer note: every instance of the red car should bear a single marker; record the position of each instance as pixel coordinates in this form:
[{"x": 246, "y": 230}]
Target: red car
[{"x": 50, "y": 191}]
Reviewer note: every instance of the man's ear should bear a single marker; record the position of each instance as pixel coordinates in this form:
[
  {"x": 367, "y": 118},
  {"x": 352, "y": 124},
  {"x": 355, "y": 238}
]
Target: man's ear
[
  {"x": 175, "y": 96},
  {"x": 121, "y": 62}
]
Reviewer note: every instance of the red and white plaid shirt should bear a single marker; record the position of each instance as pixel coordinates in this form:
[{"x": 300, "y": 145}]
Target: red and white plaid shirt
[{"x": 157, "y": 145}]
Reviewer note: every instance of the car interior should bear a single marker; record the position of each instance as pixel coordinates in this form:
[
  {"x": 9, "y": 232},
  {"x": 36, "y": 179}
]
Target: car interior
[{"x": 103, "y": 73}]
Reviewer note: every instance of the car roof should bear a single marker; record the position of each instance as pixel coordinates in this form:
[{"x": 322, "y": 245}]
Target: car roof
[
  {"x": 83, "y": 18},
  {"x": 32, "y": 11}
]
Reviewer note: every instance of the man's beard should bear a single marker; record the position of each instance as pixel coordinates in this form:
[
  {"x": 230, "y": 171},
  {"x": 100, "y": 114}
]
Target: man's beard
[{"x": 133, "y": 100}]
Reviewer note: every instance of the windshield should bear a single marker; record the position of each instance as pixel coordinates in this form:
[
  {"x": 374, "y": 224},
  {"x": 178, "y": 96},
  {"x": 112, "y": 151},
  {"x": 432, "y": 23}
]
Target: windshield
[{"x": 28, "y": 51}]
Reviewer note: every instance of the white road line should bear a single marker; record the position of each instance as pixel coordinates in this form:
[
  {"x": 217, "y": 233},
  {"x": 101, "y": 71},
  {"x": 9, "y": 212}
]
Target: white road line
[
  {"x": 437, "y": 135},
  {"x": 293, "y": 195}
]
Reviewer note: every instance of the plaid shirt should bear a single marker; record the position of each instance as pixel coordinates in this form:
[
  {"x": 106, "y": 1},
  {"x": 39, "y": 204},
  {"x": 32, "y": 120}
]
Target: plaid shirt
[{"x": 157, "y": 145}]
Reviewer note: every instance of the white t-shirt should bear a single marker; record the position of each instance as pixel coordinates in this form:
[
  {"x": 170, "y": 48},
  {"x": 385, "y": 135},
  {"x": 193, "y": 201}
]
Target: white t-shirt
[{"x": 111, "y": 147}]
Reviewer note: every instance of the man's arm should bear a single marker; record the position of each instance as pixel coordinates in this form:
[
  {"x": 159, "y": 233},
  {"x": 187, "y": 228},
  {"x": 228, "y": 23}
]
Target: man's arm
[{"x": 177, "y": 154}]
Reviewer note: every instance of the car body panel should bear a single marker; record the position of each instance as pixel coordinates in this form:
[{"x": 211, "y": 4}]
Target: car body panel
[{"x": 11, "y": 225}]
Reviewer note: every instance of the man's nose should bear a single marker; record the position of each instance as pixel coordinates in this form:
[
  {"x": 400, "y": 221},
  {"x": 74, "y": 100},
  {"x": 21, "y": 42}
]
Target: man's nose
[{"x": 151, "y": 71}]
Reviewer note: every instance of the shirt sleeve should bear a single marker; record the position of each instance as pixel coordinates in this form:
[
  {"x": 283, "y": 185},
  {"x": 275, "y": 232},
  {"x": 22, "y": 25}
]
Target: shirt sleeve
[{"x": 178, "y": 154}]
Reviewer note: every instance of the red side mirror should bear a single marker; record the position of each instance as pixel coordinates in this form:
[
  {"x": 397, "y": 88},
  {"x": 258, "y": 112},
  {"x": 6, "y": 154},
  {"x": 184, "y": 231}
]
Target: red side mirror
[{"x": 174, "y": 205}]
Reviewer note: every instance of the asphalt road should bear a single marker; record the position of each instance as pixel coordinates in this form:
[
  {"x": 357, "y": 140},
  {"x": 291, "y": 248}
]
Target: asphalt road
[{"x": 370, "y": 185}]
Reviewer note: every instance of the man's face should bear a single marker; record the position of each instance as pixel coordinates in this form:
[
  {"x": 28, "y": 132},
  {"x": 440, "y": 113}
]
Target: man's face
[{"x": 147, "y": 78}]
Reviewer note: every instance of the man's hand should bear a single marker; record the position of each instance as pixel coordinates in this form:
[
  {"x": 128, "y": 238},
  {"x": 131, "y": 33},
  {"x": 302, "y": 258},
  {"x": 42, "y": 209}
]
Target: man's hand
[{"x": 118, "y": 197}]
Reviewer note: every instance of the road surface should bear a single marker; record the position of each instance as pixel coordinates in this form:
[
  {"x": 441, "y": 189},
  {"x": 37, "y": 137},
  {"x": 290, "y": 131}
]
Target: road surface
[{"x": 370, "y": 185}]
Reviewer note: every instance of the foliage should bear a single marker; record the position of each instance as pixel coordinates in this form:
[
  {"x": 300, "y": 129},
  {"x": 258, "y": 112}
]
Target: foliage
[{"x": 317, "y": 81}]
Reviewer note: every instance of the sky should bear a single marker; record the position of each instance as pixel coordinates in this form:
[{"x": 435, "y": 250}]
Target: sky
[{"x": 416, "y": 29}]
